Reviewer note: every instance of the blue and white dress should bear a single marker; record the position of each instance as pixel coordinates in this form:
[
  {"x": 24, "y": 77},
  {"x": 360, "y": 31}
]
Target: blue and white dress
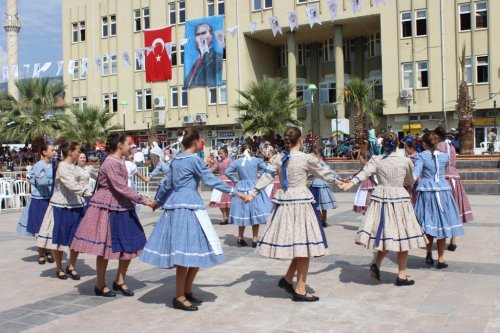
[
  {"x": 256, "y": 211},
  {"x": 435, "y": 208},
  {"x": 184, "y": 235},
  {"x": 42, "y": 181},
  {"x": 323, "y": 193}
]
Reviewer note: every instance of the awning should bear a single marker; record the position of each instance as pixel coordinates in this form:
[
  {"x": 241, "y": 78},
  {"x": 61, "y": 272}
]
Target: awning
[
  {"x": 412, "y": 127},
  {"x": 484, "y": 121}
]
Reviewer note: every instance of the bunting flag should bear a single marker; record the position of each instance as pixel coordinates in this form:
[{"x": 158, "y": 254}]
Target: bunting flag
[
  {"x": 26, "y": 69},
  {"x": 71, "y": 67},
  {"x": 183, "y": 41},
  {"x": 36, "y": 70},
  {"x": 293, "y": 20},
  {"x": 356, "y": 6},
  {"x": 126, "y": 59},
  {"x": 60, "y": 65},
  {"x": 253, "y": 27},
  {"x": 158, "y": 64},
  {"x": 275, "y": 25},
  {"x": 98, "y": 63},
  {"x": 85, "y": 62},
  {"x": 139, "y": 56},
  {"x": 233, "y": 30},
  {"x": 15, "y": 72},
  {"x": 221, "y": 38},
  {"x": 5, "y": 73},
  {"x": 332, "y": 8},
  {"x": 168, "y": 47},
  {"x": 312, "y": 13},
  {"x": 380, "y": 2}
]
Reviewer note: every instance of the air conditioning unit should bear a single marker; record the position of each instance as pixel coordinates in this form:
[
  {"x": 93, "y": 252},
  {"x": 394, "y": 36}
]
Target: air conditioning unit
[
  {"x": 159, "y": 102},
  {"x": 170, "y": 134},
  {"x": 187, "y": 119},
  {"x": 406, "y": 93},
  {"x": 159, "y": 118},
  {"x": 211, "y": 133},
  {"x": 201, "y": 118}
]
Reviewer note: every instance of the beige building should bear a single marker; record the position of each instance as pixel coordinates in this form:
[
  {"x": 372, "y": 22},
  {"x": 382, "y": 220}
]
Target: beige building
[{"x": 398, "y": 44}]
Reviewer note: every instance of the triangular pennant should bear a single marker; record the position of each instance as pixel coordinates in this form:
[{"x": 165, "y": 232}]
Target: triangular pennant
[
  {"x": 312, "y": 13},
  {"x": 293, "y": 20},
  {"x": 5, "y": 73},
  {"x": 356, "y": 6},
  {"x": 15, "y": 72},
  {"x": 85, "y": 62},
  {"x": 36, "y": 70},
  {"x": 126, "y": 59},
  {"x": 98, "y": 63},
  {"x": 253, "y": 27},
  {"x": 60, "y": 65},
  {"x": 221, "y": 39},
  {"x": 275, "y": 25},
  {"x": 332, "y": 8},
  {"x": 233, "y": 30},
  {"x": 183, "y": 41},
  {"x": 168, "y": 47},
  {"x": 71, "y": 67}
]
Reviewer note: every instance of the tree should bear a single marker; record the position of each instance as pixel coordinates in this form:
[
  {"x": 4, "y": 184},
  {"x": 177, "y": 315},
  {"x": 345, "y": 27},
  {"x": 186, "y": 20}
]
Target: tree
[
  {"x": 88, "y": 126},
  {"x": 465, "y": 112},
  {"x": 359, "y": 95},
  {"x": 268, "y": 108}
]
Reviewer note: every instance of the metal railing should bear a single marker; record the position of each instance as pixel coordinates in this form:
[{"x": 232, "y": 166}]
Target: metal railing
[{"x": 142, "y": 187}]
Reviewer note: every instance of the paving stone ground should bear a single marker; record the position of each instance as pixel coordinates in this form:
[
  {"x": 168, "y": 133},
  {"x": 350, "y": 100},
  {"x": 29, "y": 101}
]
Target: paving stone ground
[{"x": 242, "y": 294}]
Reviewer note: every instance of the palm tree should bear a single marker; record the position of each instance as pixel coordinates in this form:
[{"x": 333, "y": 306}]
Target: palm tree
[
  {"x": 267, "y": 108},
  {"x": 359, "y": 95},
  {"x": 88, "y": 126},
  {"x": 465, "y": 112}
]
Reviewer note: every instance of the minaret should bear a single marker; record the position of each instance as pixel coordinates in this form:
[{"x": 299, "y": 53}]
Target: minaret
[{"x": 12, "y": 26}]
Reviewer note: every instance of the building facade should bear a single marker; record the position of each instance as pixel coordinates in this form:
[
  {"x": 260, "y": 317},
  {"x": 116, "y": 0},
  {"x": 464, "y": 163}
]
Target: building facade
[{"x": 410, "y": 49}]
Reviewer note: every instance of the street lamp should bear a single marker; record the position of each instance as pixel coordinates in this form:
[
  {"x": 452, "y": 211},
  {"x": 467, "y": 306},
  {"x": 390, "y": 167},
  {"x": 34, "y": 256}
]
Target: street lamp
[
  {"x": 493, "y": 96},
  {"x": 124, "y": 104}
]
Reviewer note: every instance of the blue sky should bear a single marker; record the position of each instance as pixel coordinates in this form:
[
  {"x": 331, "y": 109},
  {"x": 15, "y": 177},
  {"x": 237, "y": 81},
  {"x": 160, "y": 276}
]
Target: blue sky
[{"x": 40, "y": 39}]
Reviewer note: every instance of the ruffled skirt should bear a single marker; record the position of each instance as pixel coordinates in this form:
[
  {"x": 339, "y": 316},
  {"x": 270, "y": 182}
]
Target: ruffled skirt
[
  {"x": 59, "y": 227},
  {"x": 36, "y": 213},
  {"x": 325, "y": 198},
  {"x": 461, "y": 199}
]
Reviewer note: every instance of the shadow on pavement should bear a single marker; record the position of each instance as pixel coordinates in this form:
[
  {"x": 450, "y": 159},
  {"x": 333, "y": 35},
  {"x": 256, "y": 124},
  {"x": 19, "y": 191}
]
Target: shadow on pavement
[{"x": 360, "y": 274}]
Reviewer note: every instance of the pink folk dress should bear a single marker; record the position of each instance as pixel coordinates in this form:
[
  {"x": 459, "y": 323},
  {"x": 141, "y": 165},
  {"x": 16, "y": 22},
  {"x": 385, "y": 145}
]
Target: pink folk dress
[
  {"x": 364, "y": 194},
  {"x": 219, "y": 199}
]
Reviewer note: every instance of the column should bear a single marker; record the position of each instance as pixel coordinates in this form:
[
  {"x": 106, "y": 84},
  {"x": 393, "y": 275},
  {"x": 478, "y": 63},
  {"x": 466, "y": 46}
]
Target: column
[
  {"x": 12, "y": 26},
  {"x": 338, "y": 43},
  {"x": 292, "y": 64}
]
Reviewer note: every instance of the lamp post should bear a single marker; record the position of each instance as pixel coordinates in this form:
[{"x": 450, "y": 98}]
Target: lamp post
[
  {"x": 493, "y": 96},
  {"x": 409, "y": 119},
  {"x": 124, "y": 104},
  {"x": 312, "y": 90}
]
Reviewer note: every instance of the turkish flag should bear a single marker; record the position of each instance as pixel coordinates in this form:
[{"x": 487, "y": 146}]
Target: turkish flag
[{"x": 158, "y": 64}]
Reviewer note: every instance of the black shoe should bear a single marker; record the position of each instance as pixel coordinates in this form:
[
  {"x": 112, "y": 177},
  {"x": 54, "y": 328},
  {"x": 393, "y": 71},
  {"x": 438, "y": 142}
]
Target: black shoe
[
  {"x": 125, "y": 292},
  {"x": 193, "y": 299},
  {"x": 181, "y": 306},
  {"x": 242, "y": 243},
  {"x": 41, "y": 260},
  {"x": 428, "y": 259},
  {"x": 74, "y": 275},
  {"x": 224, "y": 222},
  {"x": 452, "y": 247},
  {"x": 404, "y": 282},
  {"x": 375, "y": 272},
  {"x": 61, "y": 275},
  {"x": 304, "y": 298},
  {"x": 442, "y": 265},
  {"x": 100, "y": 292},
  {"x": 50, "y": 258},
  {"x": 286, "y": 285},
  {"x": 254, "y": 244},
  {"x": 325, "y": 224}
]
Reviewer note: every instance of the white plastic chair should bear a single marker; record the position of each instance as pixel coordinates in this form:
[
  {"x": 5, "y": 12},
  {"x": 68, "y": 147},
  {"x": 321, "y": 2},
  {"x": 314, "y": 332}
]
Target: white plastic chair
[
  {"x": 92, "y": 184},
  {"x": 22, "y": 189},
  {"x": 6, "y": 195}
]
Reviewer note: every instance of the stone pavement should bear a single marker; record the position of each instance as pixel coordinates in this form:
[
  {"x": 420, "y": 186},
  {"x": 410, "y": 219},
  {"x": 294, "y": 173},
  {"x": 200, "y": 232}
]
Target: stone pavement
[{"x": 242, "y": 294}]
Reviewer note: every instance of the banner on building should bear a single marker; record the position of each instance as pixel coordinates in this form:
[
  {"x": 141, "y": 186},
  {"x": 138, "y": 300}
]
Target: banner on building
[
  {"x": 85, "y": 65},
  {"x": 126, "y": 59},
  {"x": 36, "y": 70},
  {"x": 5, "y": 73},
  {"x": 158, "y": 64},
  {"x": 253, "y": 27},
  {"x": 71, "y": 67},
  {"x": 15, "y": 72},
  {"x": 293, "y": 20},
  {"x": 60, "y": 65},
  {"x": 221, "y": 38},
  {"x": 312, "y": 13},
  {"x": 203, "y": 54},
  {"x": 233, "y": 30},
  {"x": 26, "y": 70},
  {"x": 332, "y": 8},
  {"x": 379, "y": 2},
  {"x": 274, "y": 22},
  {"x": 356, "y": 6}
]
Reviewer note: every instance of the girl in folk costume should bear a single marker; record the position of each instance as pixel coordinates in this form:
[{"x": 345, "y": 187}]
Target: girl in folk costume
[
  {"x": 365, "y": 190},
  {"x": 411, "y": 152},
  {"x": 453, "y": 178},
  {"x": 322, "y": 192},
  {"x": 86, "y": 173},
  {"x": 272, "y": 188},
  {"x": 155, "y": 154},
  {"x": 42, "y": 181},
  {"x": 65, "y": 211},
  {"x": 256, "y": 212},
  {"x": 111, "y": 229},
  {"x": 293, "y": 230},
  {"x": 435, "y": 208},
  {"x": 184, "y": 236},
  {"x": 390, "y": 223},
  {"x": 218, "y": 199}
]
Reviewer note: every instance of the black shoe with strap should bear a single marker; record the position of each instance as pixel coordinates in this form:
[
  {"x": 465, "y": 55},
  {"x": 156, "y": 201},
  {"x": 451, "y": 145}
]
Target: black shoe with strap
[
  {"x": 296, "y": 297},
  {"x": 190, "y": 297},
  {"x": 224, "y": 222},
  {"x": 50, "y": 258},
  {"x": 404, "y": 282},
  {"x": 286, "y": 285},
  {"x": 100, "y": 292},
  {"x": 61, "y": 275},
  {"x": 41, "y": 260},
  {"x": 125, "y": 292},
  {"x": 428, "y": 259},
  {"x": 375, "y": 272},
  {"x": 242, "y": 243},
  {"x": 72, "y": 273},
  {"x": 442, "y": 265},
  {"x": 452, "y": 247},
  {"x": 181, "y": 306}
]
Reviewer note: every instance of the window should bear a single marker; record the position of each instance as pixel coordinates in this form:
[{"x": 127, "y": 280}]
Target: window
[
  {"x": 149, "y": 100},
  {"x": 482, "y": 69},
  {"x": 301, "y": 1},
  {"x": 406, "y": 24},
  {"x": 262, "y": 4},
  {"x": 346, "y": 46},
  {"x": 83, "y": 73},
  {"x": 303, "y": 55},
  {"x": 82, "y": 31},
  {"x": 423, "y": 74},
  {"x": 283, "y": 56},
  {"x": 481, "y": 15},
  {"x": 76, "y": 70},
  {"x": 137, "y": 20},
  {"x": 74, "y": 32},
  {"x": 374, "y": 46},
  {"x": 328, "y": 50},
  {"x": 105, "y": 101},
  {"x": 181, "y": 11},
  {"x": 468, "y": 70},
  {"x": 302, "y": 91},
  {"x": 421, "y": 22},
  {"x": 138, "y": 100},
  {"x": 145, "y": 17},
  {"x": 104, "y": 27},
  {"x": 171, "y": 13},
  {"x": 465, "y": 17},
  {"x": 174, "y": 55},
  {"x": 138, "y": 63},
  {"x": 174, "y": 97},
  {"x": 182, "y": 54},
  {"x": 114, "y": 102},
  {"x": 114, "y": 63},
  {"x": 76, "y": 102},
  {"x": 84, "y": 102},
  {"x": 105, "y": 65},
  {"x": 112, "y": 19},
  {"x": 212, "y": 95},
  {"x": 211, "y": 7},
  {"x": 328, "y": 91},
  {"x": 223, "y": 93},
  {"x": 220, "y": 7},
  {"x": 184, "y": 97},
  {"x": 407, "y": 75}
]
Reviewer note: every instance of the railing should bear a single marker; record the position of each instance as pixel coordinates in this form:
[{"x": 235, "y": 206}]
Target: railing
[{"x": 142, "y": 187}]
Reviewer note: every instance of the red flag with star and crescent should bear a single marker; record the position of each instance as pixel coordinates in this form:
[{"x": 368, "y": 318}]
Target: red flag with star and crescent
[{"x": 158, "y": 63}]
